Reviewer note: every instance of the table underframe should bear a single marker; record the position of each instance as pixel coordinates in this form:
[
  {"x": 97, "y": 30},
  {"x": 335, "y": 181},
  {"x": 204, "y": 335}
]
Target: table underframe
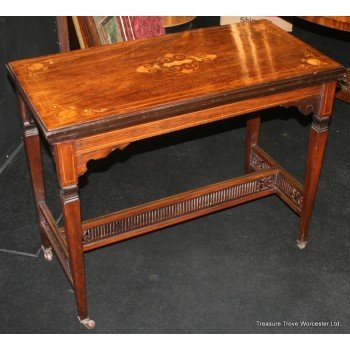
[{"x": 263, "y": 177}]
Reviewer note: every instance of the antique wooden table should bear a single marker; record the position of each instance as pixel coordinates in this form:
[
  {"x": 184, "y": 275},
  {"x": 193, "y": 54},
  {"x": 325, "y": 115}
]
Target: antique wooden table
[{"x": 87, "y": 103}]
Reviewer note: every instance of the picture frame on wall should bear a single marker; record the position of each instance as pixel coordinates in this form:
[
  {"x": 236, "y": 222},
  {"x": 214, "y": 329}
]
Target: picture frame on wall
[{"x": 109, "y": 30}]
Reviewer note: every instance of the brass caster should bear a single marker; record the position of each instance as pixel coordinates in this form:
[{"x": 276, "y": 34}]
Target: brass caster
[
  {"x": 47, "y": 253},
  {"x": 301, "y": 245},
  {"x": 86, "y": 322}
]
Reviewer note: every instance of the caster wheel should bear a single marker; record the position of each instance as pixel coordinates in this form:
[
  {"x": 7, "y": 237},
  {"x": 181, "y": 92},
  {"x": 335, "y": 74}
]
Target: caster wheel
[
  {"x": 47, "y": 253},
  {"x": 87, "y": 323},
  {"x": 301, "y": 245}
]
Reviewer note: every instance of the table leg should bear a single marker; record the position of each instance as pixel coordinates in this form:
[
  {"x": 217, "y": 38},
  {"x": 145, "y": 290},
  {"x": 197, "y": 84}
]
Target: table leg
[
  {"x": 32, "y": 144},
  {"x": 253, "y": 128},
  {"x": 316, "y": 148},
  {"x": 70, "y": 203}
]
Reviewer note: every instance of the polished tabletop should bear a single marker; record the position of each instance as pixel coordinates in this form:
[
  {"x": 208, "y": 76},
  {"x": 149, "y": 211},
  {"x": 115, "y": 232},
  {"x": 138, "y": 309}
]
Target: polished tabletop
[{"x": 160, "y": 76}]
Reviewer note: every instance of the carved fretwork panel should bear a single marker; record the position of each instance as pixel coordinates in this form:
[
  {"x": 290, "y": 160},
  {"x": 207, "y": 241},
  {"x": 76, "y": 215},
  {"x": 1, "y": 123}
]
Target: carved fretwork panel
[
  {"x": 172, "y": 211},
  {"x": 287, "y": 187},
  {"x": 289, "y": 190},
  {"x": 258, "y": 163}
]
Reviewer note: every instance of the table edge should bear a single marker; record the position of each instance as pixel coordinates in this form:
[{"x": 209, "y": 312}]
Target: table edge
[{"x": 119, "y": 121}]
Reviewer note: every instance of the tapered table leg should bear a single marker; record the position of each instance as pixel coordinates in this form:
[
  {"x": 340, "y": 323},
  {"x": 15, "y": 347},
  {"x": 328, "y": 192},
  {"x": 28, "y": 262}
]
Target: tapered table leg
[
  {"x": 32, "y": 144},
  {"x": 253, "y": 128},
  {"x": 70, "y": 203},
  {"x": 316, "y": 148}
]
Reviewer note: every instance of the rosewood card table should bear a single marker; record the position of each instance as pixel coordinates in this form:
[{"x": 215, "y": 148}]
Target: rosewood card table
[{"x": 87, "y": 103}]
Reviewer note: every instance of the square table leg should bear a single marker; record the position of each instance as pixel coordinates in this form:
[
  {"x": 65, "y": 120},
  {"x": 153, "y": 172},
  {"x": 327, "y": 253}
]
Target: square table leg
[
  {"x": 65, "y": 159},
  {"x": 252, "y": 138},
  {"x": 32, "y": 144}
]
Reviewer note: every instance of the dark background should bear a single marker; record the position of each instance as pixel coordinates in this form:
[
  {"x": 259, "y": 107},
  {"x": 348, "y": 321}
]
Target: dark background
[
  {"x": 218, "y": 274},
  {"x": 20, "y": 37}
]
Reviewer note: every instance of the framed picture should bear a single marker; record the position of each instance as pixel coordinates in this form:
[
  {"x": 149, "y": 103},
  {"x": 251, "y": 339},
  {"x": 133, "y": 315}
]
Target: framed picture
[
  {"x": 87, "y": 32},
  {"x": 96, "y": 30},
  {"x": 109, "y": 30},
  {"x": 101, "y": 30}
]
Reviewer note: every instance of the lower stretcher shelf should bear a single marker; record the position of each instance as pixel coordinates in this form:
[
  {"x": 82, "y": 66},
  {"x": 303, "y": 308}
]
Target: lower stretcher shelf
[{"x": 267, "y": 178}]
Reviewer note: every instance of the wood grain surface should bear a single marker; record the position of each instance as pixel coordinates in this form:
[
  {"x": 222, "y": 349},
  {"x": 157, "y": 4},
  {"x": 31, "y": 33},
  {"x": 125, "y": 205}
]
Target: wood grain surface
[
  {"x": 335, "y": 22},
  {"x": 153, "y": 78}
]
